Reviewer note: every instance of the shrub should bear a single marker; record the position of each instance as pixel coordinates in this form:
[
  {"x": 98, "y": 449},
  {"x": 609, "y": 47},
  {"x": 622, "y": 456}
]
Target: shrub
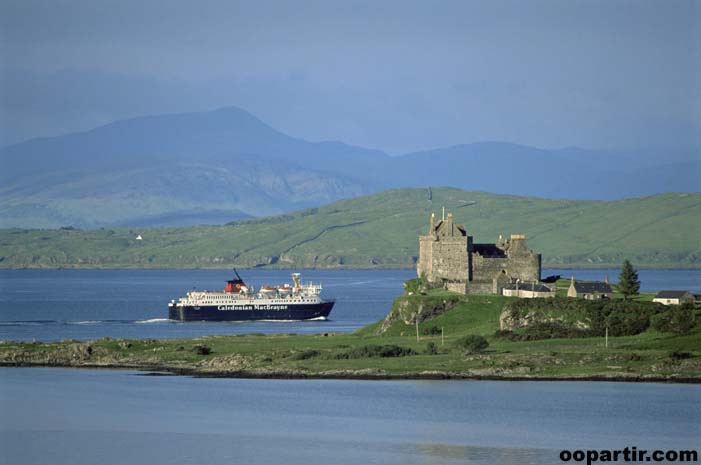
[
  {"x": 570, "y": 318},
  {"x": 627, "y": 318},
  {"x": 678, "y": 355},
  {"x": 473, "y": 343},
  {"x": 505, "y": 333},
  {"x": 413, "y": 286},
  {"x": 676, "y": 319},
  {"x": 202, "y": 350},
  {"x": 431, "y": 348},
  {"x": 376, "y": 351},
  {"x": 431, "y": 331}
]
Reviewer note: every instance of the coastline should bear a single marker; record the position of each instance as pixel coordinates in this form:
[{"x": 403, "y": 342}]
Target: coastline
[
  {"x": 360, "y": 375},
  {"x": 400, "y": 347},
  {"x": 610, "y": 266}
]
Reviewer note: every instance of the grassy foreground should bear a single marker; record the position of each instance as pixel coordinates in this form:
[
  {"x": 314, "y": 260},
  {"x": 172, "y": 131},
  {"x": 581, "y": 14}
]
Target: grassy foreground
[{"x": 394, "y": 353}]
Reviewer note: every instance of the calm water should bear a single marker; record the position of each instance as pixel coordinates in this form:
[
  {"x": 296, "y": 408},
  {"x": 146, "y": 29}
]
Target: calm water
[
  {"x": 73, "y": 417},
  {"x": 87, "y": 304}
]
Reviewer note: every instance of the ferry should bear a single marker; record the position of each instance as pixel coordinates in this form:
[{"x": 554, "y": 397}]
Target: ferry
[{"x": 240, "y": 302}]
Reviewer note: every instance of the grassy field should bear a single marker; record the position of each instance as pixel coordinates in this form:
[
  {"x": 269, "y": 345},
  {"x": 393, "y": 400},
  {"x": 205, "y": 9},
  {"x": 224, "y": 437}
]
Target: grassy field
[
  {"x": 381, "y": 230},
  {"x": 648, "y": 356}
]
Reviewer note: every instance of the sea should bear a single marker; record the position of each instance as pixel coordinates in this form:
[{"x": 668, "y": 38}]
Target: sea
[
  {"x": 111, "y": 417},
  {"x": 62, "y": 416}
]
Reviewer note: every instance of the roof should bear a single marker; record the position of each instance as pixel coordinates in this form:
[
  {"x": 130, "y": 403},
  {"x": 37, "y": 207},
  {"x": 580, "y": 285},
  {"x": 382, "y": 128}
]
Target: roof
[
  {"x": 448, "y": 228},
  {"x": 671, "y": 294},
  {"x": 535, "y": 287},
  {"x": 592, "y": 287}
]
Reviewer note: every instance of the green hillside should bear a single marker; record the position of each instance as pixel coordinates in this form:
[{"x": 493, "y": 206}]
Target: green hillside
[{"x": 382, "y": 229}]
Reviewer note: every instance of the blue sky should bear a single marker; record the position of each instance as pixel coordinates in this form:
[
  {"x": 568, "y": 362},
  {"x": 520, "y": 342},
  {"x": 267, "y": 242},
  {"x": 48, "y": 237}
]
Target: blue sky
[{"x": 395, "y": 75}]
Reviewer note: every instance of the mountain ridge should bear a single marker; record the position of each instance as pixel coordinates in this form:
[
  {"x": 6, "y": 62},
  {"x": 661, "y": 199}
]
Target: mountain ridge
[{"x": 228, "y": 159}]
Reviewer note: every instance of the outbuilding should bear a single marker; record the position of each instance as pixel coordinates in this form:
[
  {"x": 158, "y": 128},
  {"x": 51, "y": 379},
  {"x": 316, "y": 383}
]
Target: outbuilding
[
  {"x": 528, "y": 290},
  {"x": 589, "y": 290},
  {"x": 674, "y": 297}
]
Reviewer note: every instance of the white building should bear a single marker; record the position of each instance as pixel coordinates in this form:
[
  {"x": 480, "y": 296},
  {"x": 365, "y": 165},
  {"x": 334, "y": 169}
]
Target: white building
[
  {"x": 528, "y": 290},
  {"x": 674, "y": 297}
]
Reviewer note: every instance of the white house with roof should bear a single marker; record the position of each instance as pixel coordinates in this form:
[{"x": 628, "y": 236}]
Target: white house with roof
[
  {"x": 674, "y": 297},
  {"x": 530, "y": 290}
]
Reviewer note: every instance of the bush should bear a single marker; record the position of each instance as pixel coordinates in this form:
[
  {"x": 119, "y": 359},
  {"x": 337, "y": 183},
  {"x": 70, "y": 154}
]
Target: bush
[
  {"x": 431, "y": 331},
  {"x": 413, "y": 286},
  {"x": 676, "y": 319},
  {"x": 431, "y": 348},
  {"x": 678, "y": 355},
  {"x": 473, "y": 343},
  {"x": 626, "y": 318},
  {"x": 570, "y": 318},
  {"x": 202, "y": 350},
  {"x": 376, "y": 351}
]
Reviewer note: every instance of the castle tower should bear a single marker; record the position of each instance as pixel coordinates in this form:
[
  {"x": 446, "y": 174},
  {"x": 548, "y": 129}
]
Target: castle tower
[{"x": 443, "y": 255}]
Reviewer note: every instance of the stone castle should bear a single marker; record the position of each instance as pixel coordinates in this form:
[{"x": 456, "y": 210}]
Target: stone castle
[{"x": 449, "y": 258}]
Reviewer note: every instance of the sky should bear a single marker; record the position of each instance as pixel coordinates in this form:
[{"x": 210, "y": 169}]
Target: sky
[{"x": 399, "y": 76}]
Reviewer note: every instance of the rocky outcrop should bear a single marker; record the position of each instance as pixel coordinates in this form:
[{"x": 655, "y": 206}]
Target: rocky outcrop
[
  {"x": 409, "y": 308},
  {"x": 226, "y": 363},
  {"x": 513, "y": 318}
]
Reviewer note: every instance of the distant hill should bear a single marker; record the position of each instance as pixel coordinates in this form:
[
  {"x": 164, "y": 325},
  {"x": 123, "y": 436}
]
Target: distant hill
[
  {"x": 134, "y": 171},
  {"x": 381, "y": 230}
]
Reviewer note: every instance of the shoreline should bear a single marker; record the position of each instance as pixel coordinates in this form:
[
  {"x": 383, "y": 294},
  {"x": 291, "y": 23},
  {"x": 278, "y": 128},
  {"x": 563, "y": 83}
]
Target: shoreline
[
  {"x": 611, "y": 266},
  {"x": 359, "y": 375},
  {"x": 474, "y": 346}
]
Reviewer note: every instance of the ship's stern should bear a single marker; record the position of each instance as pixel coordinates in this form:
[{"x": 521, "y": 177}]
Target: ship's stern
[{"x": 175, "y": 312}]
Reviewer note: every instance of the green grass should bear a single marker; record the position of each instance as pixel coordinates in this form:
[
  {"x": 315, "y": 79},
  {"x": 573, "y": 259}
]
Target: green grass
[{"x": 381, "y": 230}]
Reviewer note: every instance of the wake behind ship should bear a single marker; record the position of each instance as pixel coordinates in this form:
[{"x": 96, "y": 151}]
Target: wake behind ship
[{"x": 239, "y": 302}]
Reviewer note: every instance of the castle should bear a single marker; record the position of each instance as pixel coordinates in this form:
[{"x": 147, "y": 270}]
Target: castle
[{"x": 449, "y": 258}]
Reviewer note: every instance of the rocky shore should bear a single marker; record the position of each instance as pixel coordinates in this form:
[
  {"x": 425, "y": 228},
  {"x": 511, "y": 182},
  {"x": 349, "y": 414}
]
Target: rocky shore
[{"x": 194, "y": 357}]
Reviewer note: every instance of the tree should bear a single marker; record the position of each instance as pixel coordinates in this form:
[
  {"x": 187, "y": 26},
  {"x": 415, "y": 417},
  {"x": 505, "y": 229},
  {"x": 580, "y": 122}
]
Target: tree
[{"x": 628, "y": 282}]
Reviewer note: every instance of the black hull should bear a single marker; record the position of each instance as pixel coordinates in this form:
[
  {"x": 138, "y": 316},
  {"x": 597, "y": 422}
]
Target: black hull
[{"x": 276, "y": 312}]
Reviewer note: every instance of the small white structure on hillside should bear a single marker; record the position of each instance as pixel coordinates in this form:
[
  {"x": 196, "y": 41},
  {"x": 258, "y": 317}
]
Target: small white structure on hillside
[
  {"x": 139, "y": 238},
  {"x": 674, "y": 297}
]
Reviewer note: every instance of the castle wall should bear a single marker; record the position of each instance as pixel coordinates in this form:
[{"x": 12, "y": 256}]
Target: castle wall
[
  {"x": 460, "y": 287},
  {"x": 523, "y": 264},
  {"x": 449, "y": 260},
  {"x": 424, "y": 265},
  {"x": 485, "y": 270},
  {"x": 525, "y": 267}
]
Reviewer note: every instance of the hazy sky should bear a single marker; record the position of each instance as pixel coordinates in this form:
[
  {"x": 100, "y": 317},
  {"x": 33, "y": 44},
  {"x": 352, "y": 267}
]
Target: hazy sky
[{"x": 393, "y": 75}]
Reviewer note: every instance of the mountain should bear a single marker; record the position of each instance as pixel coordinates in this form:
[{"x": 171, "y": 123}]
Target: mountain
[
  {"x": 222, "y": 165},
  {"x": 225, "y": 160},
  {"x": 381, "y": 230},
  {"x": 564, "y": 173}
]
